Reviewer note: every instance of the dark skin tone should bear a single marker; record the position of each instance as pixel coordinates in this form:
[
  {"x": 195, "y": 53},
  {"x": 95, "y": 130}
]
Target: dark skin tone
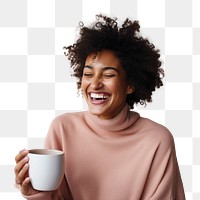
[
  {"x": 102, "y": 75},
  {"x": 21, "y": 174}
]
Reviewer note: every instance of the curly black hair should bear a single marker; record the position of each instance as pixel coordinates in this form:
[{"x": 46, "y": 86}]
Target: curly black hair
[{"x": 137, "y": 55}]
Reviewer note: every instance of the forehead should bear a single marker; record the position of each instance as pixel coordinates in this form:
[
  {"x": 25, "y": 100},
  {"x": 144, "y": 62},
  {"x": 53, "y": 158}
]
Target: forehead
[{"x": 104, "y": 58}]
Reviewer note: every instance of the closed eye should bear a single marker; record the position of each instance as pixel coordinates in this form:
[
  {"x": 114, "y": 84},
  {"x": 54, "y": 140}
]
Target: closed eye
[
  {"x": 87, "y": 74},
  {"x": 109, "y": 75}
]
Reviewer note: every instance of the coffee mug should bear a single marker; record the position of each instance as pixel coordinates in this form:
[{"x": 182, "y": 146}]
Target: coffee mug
[{"x": 46, "y": 168}]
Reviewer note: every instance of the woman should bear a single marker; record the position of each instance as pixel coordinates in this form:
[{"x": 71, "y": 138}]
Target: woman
[{"x": 111, "y": 153}]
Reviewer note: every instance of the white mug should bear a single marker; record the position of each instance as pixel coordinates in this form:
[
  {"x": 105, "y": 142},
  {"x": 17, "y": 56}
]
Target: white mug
[{"x": 46, "y": 168}]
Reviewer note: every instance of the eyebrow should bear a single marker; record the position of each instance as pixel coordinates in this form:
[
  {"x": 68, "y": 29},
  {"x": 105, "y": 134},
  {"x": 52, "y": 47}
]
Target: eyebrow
[{"x": 104, "y": 69}]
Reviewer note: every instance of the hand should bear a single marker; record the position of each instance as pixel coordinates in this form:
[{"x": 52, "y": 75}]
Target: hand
[{"x": 21, "y": 174}]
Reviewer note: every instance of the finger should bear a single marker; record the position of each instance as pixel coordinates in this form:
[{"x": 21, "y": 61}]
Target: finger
[
  {"x": 25, "y": 185},
  {"x": 21, "y": 155},
  {"x": 20, "y": 165},
  {"x": 21, "y": 176}
]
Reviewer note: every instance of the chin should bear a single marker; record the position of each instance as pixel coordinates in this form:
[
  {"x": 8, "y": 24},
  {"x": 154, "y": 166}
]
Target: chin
[
  {"x": 95, "y": 112},
  {"x": 99, "y": 110}
]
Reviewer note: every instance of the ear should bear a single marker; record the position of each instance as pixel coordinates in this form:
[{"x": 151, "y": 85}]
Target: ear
[{"x": 130, "y": 89}]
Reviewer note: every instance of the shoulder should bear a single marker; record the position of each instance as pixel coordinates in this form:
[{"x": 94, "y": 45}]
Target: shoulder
[
  {"x": 67, "y": 119},
  {"x": 68, "y": 116},
  {"x": 157, "y": 133},
  {"x": 62, "y": 125}
]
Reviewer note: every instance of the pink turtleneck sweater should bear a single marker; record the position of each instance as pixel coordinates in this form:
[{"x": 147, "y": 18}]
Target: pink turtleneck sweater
[{"x": 125, "y": 158}]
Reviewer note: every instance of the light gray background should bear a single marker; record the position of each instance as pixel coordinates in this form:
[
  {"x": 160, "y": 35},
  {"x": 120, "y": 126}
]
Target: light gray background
[{"x": 35, "y": 81}]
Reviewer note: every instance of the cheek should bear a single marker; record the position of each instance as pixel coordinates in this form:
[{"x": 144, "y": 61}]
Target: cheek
[
  {"x": 120, "y": 90},
  {"x": 84, "y": 85},
  {"x": 82, "y": 88},
  {"x": 118, "y": 86}
]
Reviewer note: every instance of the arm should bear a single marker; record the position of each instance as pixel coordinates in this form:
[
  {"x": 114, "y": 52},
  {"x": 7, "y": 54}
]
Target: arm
[
  {"x": 164, "y": 180},
  {"x": 53, "y": 141}
]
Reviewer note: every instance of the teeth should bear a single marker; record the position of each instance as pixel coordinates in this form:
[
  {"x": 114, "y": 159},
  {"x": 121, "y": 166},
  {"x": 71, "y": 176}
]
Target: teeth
[{"x": 99, "y": 96}]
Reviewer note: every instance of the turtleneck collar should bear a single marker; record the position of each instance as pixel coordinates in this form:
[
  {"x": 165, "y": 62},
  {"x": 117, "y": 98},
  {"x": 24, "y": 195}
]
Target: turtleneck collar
[{"x": 119, "y": 123}]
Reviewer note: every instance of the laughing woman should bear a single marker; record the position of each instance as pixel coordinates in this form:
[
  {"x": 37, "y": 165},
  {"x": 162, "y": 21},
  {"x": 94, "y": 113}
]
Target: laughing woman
[{"x": 111, "y": 152}]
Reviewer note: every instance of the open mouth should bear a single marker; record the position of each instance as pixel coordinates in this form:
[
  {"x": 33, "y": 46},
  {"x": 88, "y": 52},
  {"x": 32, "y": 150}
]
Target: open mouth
[{"x": 99, "y": 97}]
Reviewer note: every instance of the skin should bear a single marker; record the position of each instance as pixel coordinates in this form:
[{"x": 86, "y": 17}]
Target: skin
[
  {"x": 21, "y": 174},
  {"x": 104, "y": 76}
]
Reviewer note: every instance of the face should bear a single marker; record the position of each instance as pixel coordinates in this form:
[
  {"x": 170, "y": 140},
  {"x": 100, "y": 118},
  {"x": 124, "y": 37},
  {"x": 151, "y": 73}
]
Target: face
[{"x": 104, "y": 84}]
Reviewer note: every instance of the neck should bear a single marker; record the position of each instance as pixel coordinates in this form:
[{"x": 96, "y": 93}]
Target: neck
[{"x": 118, "y": 123}]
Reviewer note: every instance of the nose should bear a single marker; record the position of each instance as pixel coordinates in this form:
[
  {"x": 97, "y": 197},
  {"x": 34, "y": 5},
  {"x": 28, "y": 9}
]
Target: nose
[{"x": 96, "y": 83}]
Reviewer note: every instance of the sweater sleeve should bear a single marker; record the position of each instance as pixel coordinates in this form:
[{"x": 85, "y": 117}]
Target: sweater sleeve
[
  {"x": 164, "y": 180},
  {"x": 53, "y": 141}
]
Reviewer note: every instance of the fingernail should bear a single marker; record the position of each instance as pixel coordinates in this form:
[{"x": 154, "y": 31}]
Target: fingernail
[
  {"x": 26, "y": 151},
  {"x": 26, "y": 158}
]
